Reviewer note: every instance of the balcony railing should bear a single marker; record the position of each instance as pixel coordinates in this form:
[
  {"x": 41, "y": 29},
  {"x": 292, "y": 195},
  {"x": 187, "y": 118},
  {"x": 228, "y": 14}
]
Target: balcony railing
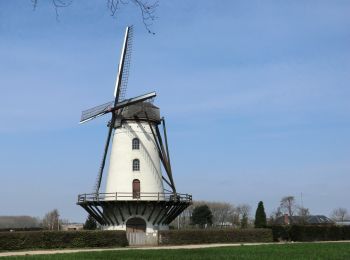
[{"x": 131, "y": 196}]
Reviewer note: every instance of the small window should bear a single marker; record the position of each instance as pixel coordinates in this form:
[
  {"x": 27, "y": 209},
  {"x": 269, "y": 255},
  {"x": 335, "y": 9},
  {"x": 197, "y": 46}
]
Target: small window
[
  {"x": 135, "y": 144},
  {"x": 136, "y": 165}
]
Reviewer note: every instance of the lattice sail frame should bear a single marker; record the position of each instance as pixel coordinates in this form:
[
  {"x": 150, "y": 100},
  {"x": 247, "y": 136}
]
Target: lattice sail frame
[{"x": 94, "y": 112}]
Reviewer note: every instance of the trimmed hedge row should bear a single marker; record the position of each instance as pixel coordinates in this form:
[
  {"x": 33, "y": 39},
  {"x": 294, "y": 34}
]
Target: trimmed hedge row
[
  {"x": 61, "y": 239},
  {"x": 20, "y": 229},
  {"x": 310, "y": 233},
  {"x": 182, "y": 237},
  {"x": 280, "y": 233}
]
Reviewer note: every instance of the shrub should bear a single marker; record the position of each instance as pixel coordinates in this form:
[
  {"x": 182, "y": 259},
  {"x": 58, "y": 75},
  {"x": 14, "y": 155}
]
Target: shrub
[
  {"x": 181, "y": 237},
  {"x": 280, "y": 233},
  {"x": 310, "y": 233},
  {"x": 318, "y": 233},
  {"x": 346, "y": 233},
  {"x": 61, "y": 239}
]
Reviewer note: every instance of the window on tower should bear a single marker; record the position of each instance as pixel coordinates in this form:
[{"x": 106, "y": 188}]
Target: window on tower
[
  {"x": 136, "y": 165},
  {"x": 135, "y": 144}
]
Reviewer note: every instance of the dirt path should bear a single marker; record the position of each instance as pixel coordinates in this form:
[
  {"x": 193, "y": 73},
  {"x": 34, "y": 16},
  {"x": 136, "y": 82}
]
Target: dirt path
[{"x": 65, "y": 251}]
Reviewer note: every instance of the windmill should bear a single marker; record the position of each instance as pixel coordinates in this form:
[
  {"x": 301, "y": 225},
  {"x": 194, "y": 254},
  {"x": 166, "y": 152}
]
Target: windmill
[{"x": 135, "y": 198}]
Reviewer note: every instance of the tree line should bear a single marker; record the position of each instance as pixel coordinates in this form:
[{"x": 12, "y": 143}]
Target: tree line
[
  {"x": 200, "y": 214},
  {"x": 204, "y": 214}
]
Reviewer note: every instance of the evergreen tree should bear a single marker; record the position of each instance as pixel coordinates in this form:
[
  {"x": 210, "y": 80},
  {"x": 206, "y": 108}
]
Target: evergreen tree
[
  {"x": 90, "y": 223},
  {"x": 260, "y": 216},
  {"x": 202, "y": 215}
]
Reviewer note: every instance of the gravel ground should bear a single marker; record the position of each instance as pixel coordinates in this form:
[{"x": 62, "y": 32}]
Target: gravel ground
[{"x": 62, "y": 251}]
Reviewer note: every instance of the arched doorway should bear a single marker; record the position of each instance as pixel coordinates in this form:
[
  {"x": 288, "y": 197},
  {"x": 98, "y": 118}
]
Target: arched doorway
[
  {"x": 136, "y": 189},
  {"x": 136, "y": 225}
]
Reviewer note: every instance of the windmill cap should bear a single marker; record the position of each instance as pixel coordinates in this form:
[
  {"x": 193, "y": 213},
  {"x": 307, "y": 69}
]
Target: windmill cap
[{"x": 143, "y": 111}]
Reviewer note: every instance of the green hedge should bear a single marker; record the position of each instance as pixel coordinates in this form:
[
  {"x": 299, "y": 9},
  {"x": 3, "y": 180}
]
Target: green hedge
[
  {"x": 346, "y": 232},
  {"x": 318, "y": 233},
  {"x": 61, "y": 239},
  {"x": 20, "y": 229},
  {"x": 310, "y": 233},
  {"x": 280, "y": 233},
  {"x": 181, "y": 237}
]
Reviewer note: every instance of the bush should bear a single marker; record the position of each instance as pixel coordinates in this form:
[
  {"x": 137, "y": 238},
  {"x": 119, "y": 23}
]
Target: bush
[
  {"x": 317, "y": 233},
  {"x": 346, "y": 233},
  {"x": 310, "y": 233},
  {"x": 181, "y": 237},
  {"x": 280, "y": 233},
  {"x": 61, "y": 239}
]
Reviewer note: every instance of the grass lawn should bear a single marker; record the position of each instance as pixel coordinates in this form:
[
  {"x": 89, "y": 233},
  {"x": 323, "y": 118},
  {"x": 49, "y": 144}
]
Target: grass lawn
[{"x": 285, "y": 251}]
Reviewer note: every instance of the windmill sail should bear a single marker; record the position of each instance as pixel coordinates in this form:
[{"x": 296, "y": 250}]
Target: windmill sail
[
  {"x": 124, "y": 65},
  {"x": 94, "y": 112}
]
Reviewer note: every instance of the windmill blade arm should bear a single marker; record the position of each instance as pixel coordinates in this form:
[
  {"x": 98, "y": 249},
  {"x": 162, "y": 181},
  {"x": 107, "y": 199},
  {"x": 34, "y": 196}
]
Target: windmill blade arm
[
  {"x": 134, "y": 100},
  {"x": 94, "y": 112},
  {"x": 124, "y": 64}
]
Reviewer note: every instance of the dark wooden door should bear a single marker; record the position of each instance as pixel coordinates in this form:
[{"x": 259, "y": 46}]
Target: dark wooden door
[
  {"x": 136, "y": 225},
  {"x": 136, "y": 188}
]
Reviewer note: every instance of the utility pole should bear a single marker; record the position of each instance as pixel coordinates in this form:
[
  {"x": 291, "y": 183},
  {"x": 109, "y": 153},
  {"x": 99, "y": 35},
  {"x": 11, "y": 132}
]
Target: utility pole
[{"x": 301, "y": 198}]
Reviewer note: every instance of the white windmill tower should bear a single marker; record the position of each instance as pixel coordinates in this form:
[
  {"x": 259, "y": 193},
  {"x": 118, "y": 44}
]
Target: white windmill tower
[{"x": 135, "y": 198}]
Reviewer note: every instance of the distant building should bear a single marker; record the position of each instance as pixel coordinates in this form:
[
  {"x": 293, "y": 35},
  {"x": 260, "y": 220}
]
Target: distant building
[
  {"x": 71, "y": 226},
  {"x": 224, "y": 224},
  {"x": 343, "y": 223},
  {"x": 304, "y": 220}
]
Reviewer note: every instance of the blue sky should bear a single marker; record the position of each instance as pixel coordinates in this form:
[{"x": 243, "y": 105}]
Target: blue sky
[{"x": 255, "y": 93}]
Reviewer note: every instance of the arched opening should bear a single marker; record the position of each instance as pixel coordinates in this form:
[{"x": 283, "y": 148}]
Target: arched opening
[
  {"x": 136, "y": 189},
  {"x": 135, "y": 144},
  {"x": 136, "y": 225}
]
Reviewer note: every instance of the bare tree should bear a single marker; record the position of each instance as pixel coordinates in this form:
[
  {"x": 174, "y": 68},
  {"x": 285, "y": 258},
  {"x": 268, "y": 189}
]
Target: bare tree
[
  {"x": 339, "y": 214},
  {"x": 277, "y": 213},
  {"x": 57, "y": 4},
  {"x": 147, "y": 8},
  {"x": 274, "y": 215},
  {"x": 303, "y": 212},
  {"x": 288, "y": 205},
  {"x": 18, "y": 222},
  {"x": 51, "y": 220},
  {"x": 236, "y": 218},
  {"x": 222, "y": 212},
  {"x": 243, "y": 211}
]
